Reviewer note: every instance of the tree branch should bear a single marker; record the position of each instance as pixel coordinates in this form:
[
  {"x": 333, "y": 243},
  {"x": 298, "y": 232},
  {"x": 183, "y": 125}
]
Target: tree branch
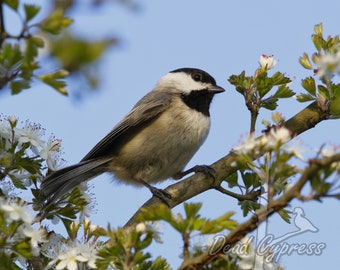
[{"x": 261, "y": 215}]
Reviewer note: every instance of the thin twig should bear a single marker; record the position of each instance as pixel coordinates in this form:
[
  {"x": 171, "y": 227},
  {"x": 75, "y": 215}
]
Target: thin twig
[
  {"x": 253, "y": 196},
  {"x": 2, "y": 25}
]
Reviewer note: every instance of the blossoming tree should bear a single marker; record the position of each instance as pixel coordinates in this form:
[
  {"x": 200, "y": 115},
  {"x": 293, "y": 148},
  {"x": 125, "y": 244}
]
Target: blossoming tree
[{"x": 261, "y": 173}]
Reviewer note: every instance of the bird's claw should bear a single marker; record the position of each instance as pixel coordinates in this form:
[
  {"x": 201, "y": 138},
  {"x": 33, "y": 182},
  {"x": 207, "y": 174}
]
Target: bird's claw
[
  {"x": 161, "y": 194},
  {"x": 206, "y": 169}
]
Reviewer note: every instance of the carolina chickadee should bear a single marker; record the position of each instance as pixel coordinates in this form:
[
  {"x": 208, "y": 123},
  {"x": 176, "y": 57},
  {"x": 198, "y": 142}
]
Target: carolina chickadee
[{"x": 153, "y": 142}]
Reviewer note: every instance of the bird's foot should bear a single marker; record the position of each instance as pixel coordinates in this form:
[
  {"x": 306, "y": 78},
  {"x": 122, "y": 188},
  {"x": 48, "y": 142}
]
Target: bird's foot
[
  {"x": 161, "y": 194},
  {"x": 206, "y": 169}
]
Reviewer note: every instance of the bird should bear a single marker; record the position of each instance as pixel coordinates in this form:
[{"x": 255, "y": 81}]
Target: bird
[{"x": 152, "y": 143}]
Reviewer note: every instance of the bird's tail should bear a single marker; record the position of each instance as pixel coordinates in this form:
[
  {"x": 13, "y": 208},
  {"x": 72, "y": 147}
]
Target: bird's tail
[{"x": 64, "y": 180}]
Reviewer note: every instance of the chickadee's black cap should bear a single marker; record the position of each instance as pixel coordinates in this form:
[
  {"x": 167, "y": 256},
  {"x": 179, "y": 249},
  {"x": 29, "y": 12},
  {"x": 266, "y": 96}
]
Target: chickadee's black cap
[{"x": 197, "y": 75}]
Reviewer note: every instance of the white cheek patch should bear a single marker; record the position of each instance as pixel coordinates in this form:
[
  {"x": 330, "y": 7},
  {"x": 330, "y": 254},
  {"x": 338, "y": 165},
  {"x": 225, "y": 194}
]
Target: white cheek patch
[{"x": 181, "y": 81}]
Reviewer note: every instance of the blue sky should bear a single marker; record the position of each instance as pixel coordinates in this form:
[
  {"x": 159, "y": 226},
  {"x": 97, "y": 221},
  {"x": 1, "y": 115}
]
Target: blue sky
[{"x": 221, "y": 37}]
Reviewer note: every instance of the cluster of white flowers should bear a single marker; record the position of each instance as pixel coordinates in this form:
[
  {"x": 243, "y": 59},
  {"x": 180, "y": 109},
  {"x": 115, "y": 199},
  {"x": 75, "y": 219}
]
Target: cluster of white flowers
[
  {"x": 14, "y": 211},
  {"x": 328, "y": 64},
  {"x": 30, "y": 133},
  {"x": 69, "y": 255},
  {"x": 269, "y": 141}
]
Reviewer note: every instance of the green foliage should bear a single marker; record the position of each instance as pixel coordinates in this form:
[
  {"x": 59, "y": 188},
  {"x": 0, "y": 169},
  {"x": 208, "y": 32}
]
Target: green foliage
[
  {"x": 126, "y": 251},
  {"x": 81, "y": 54},
  {"x": 19, "y": 53},
  {"x": 55, "y": 22},
  {"x": 12, "y": 4},
  {"x": 30, "y": 11},
  {"x": 18, "y": 63},
  {"x": 54, "y": 80},
  {"x": 325, "y": 63},
  {"x": 192, "y": 221},
  {"x": 255, "y": 88}
]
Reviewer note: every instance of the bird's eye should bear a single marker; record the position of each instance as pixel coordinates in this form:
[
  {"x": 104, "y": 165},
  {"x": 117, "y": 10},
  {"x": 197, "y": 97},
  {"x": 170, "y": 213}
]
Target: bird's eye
[{"x": 197, "y": 77}]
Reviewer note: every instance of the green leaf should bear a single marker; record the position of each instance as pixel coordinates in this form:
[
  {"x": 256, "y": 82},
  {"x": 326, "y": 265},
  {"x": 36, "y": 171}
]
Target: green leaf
[
  {"x": 305, "y": 62},
  {"x": 80, "y": 52},
  {"x": 318, "y": 41},
  {"x": 323, "y": 91},
  {"x": 55, "y": 22},
  {"x": 18, "y": 85},
  {"x": 39, "y": 42},
  {"x": 309, "y": 85},
  {"x": 318, "y": 29},
  {"x": 53, "y": 80},
  {"x": 223, "y": 222},
  {"x": 191, "y": 209},
  {"x": 12, "y": 4},
  {"x": 279, "y": 78},
  {"x": 157, "y": 212},
  {"x": 269, "y": 103},
  {"x": 31, "y": 11},
  {"x": 241, "y": 82},
  {"x": 23, "y": 248},
  {"x": 10, "y": 56},
  {"x": 159, "y": 263},
  {"x": 232, "y": 180},
  {"x": 305, "y": 98},
  {"x": 249, "y": 179},
  {"x": 283, "y": 92},
  {"x": 248, "y": 206},
  {"x": 285, "y": 215},
  {"x": 67, "y": 225},
  {"x": 264, "y": 85},
  {"x": 335, "y": 106},
  {"x": 17, "y": 182}
]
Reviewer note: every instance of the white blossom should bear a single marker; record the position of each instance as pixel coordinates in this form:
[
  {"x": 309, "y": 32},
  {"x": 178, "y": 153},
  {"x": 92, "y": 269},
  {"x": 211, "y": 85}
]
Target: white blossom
[
  {"x": 154, "y": 227},
  {"x": 5, "y": 131},
  {"x": 15, "y": 212},
  {"x": 70, "y": 255},
  {"x": 247, "y": 146},
  {"x": 278, "y": 135},
  {"x": 331, "y": 151},
  {"x": 69, "y": 259},
  {"x": 31, "y": 133},
  {"x": 328, "y": 64},
  {"x": 37, "y": 236},
  {"x": 49, "y": 152},
  {"x": 90, "y": 253},
  {"x": 267, "y": 61}
]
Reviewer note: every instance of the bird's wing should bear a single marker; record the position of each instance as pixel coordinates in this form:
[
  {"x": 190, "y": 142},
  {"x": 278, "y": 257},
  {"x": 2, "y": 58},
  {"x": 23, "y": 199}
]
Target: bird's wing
[{"x": 144, "y": 112}]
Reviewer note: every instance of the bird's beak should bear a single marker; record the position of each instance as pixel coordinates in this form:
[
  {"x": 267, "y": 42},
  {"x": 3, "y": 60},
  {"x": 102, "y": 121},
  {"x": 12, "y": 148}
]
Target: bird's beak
[{"x": 216, "y": 89}]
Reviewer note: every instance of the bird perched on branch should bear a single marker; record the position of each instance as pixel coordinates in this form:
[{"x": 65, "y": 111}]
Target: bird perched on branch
[{"x": 153, "y": 142}]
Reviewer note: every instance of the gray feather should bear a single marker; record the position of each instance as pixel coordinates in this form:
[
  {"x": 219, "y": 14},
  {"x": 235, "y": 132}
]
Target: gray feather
[
  {"x": 66, "y": 179},
  {"x": 142, "y": 114}
]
